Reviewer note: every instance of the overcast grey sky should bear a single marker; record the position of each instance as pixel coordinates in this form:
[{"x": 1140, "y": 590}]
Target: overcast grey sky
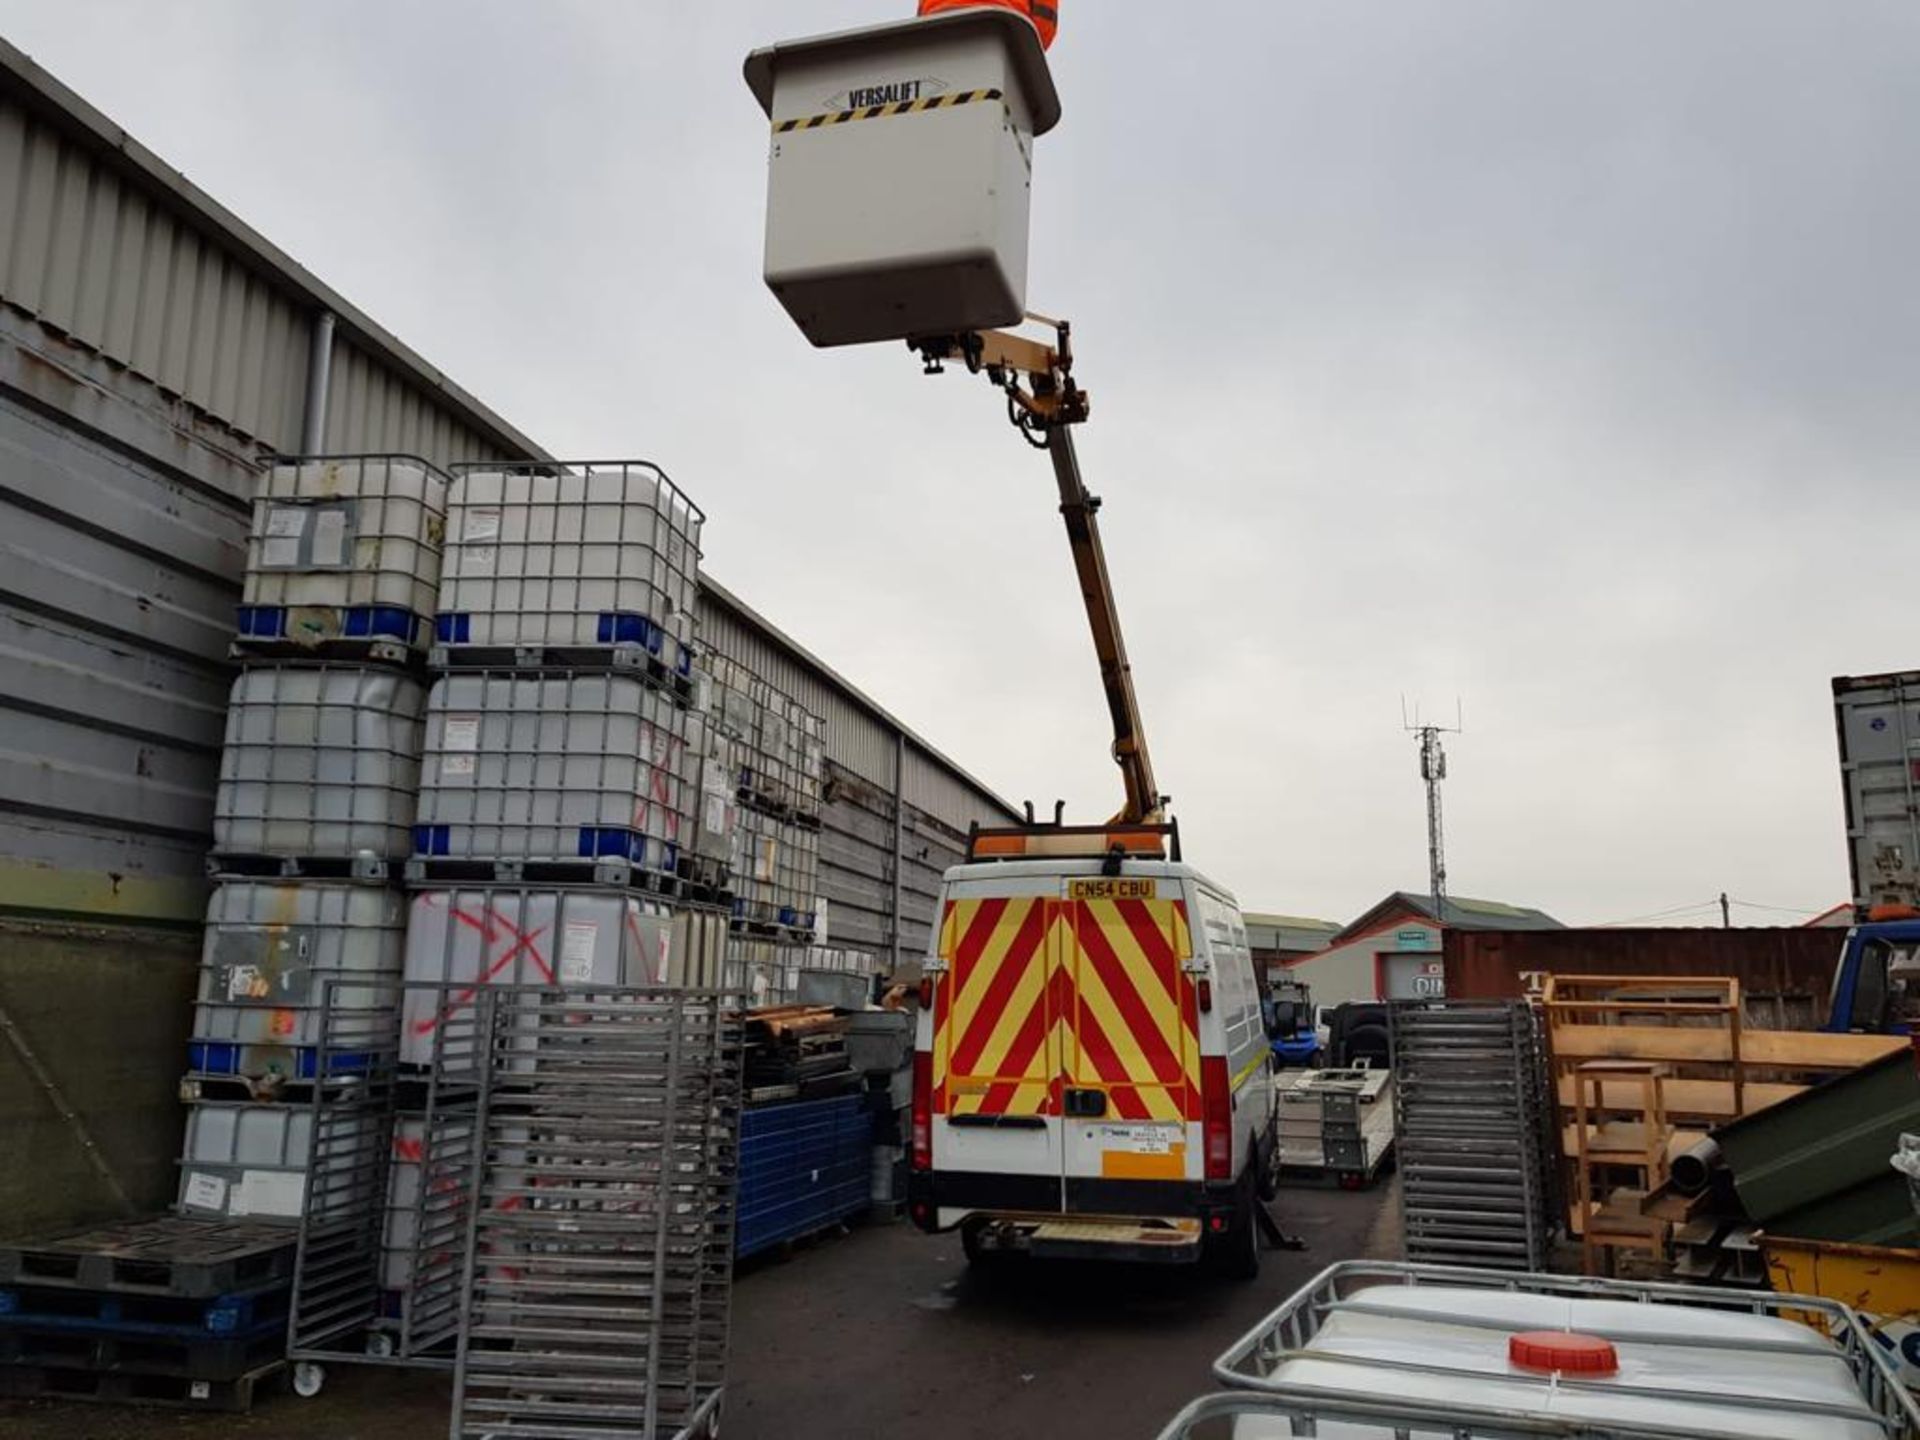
[{"x": 1562, "y": 359}]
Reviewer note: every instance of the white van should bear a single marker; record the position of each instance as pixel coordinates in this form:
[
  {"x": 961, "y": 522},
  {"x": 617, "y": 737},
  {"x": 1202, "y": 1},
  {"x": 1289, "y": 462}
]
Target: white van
[{"x": 1091, "y": 1075}]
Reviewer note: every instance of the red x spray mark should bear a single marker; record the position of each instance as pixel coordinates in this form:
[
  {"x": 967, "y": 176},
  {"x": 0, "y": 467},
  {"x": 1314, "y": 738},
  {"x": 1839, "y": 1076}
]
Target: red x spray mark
[{"x": 493, "y": 926}]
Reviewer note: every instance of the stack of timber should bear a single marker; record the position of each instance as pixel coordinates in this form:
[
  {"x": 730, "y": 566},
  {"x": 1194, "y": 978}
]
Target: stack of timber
[
  {"x": 1713, "y": 1068},
  {"x": 797, "y": 1051}
]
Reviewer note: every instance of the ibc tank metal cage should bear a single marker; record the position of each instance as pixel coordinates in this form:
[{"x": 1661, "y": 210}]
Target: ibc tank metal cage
[
  {"x": 580, "y": 554},
  {"x": 1250, "y": 1365},
  {"x": 343, "y": 549}
]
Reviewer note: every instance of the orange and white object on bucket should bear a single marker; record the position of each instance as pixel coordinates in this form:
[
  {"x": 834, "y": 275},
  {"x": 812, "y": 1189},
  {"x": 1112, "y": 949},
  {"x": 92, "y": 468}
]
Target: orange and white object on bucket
[{"x": 1044, "y": 15}]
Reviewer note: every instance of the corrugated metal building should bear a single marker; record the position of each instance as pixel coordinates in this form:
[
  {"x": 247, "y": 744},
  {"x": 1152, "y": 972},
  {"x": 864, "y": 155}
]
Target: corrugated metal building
[
  {"x": 1393, "y": 952},
  {"x": 153, "y": 351}
]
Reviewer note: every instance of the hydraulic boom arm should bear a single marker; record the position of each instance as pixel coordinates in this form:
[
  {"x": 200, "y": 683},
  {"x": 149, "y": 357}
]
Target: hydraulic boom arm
[{"x": 1046, "y": 407}]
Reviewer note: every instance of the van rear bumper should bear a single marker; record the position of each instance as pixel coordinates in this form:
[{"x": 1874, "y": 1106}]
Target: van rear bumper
[{"x": 930, "y": 1192}]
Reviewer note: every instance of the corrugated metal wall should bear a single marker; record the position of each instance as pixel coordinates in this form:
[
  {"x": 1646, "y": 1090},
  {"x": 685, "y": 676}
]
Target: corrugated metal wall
[
  {"x": 373, "y": 410},
  {"x": 153, "y": 352},
  {"x": 122, "y": 532},
  {"x": 857, "y": 842},
  {"x": 122, "y": 273}
]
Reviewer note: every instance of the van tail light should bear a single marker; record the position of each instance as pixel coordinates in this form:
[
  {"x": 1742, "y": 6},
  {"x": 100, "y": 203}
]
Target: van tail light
[
  {"x": 1204, "y": 991},
  {"x": 923, "y": 1109},
  {"x": 926, "y": 992},
  {"x": 1216, "y": 1116}
]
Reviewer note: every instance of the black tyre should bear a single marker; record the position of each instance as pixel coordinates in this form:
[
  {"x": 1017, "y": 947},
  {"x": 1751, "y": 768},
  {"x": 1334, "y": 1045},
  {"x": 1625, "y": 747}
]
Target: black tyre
[
  {"x": 1270, "y": 1171},
  {"x": 1235, "y": 1254}
]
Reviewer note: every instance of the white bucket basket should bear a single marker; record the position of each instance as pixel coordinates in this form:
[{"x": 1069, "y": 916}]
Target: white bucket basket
[{"x": 900, "y": 174}]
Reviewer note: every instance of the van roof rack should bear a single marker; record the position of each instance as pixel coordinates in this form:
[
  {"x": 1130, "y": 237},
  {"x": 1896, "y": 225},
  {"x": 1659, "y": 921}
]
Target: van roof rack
[{"x": 1113, "y": 841}]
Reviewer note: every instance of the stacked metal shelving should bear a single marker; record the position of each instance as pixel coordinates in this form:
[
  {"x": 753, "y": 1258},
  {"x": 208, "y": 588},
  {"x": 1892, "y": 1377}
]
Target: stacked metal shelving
[
  {"x": 598, "y": 1252},
  {"x": 1473, "y": 1125}
]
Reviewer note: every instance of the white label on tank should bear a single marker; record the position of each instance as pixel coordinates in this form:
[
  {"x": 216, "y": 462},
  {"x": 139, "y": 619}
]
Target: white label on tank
[
  {"x": 285, "y": 521},
  {"x": 206, "y": 1192},
  {"x": 279, "y": 554},
  {"x": 478, "y": 560},
  {"x": 582, "y": 938},
  {"x": 480, "y": 525},
  {"x": 269, "y": 1192},
  {"x": 666, "y": 957},
  {"x": 329, "y": 538},
  {"x": 717, "y": 814},
  {"x": 462, "y": 732},
  {"x": 456, "y": 764}
]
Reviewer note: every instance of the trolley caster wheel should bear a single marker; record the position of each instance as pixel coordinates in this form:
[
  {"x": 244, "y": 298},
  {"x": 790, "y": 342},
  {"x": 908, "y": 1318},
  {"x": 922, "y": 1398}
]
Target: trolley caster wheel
[
  {"x": 308, "y": 1378},
  {"x": 380, "y": 1345}
]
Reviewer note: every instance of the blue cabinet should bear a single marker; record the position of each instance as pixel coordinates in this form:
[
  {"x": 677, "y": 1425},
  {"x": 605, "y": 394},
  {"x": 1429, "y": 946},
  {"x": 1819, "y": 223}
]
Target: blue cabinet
[{"x": 803, "y": 1167}]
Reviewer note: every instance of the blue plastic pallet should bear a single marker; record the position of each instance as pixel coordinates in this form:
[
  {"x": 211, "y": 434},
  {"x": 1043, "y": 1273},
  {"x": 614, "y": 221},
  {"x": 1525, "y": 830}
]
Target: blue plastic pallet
[
  {"x": 357, "y": 622},
  {"x": 611, "y": 628},
  {"x": 120, "y": 1313},
  {"x": 223, "y": 1057},
  {"x": 591, "y": 843},
  {"x": 803, "y": 1166}
]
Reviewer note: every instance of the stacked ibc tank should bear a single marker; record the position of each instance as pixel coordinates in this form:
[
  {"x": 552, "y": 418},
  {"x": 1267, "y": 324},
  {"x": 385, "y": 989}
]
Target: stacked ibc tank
[
  {"x": 772, "y": 750},
  {"x": 559, "y": 838},
  {"x": 314, "y": 814}
]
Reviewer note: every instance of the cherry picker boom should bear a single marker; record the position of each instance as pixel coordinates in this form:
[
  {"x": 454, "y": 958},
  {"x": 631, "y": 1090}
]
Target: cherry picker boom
[{"x": 1045, "y": 402}]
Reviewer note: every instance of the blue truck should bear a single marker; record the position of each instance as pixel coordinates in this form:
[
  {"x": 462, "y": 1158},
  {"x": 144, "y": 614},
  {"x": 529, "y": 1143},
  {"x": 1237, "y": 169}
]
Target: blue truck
[{"x": 1292, "y": 1031}]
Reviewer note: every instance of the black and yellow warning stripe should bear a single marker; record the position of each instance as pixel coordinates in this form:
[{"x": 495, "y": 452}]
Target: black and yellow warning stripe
[{"x": 875, "y": 112}]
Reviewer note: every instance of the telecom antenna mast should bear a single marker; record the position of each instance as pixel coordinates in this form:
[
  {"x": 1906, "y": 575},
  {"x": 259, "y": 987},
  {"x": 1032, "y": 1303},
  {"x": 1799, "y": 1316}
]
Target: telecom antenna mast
[{"x": 1433, "y": 769}]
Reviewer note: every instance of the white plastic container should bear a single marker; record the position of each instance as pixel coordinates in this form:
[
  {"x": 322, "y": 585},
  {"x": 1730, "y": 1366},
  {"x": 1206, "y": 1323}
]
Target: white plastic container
[
  {"x": 900, "y": 171},
  {"x": 270, "y": 949},
  {"x": 554, "y": 767},
  {"x": 569, "y": 939},
  {"x": 425, "y": 1225},
  {"x": 345, "y": 547},
  {"x": 595, "y": 555},
  {"x": 1467, "y": 1346},
  {"x": 249, "y": 1160},
  {"x": 319, "y": 761}
]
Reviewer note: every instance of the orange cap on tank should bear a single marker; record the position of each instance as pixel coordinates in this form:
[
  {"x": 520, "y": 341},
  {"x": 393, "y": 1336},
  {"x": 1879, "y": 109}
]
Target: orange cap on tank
[
  {"x": 1043, "y": 14},
  {"x": 1558, "y": 1350}
]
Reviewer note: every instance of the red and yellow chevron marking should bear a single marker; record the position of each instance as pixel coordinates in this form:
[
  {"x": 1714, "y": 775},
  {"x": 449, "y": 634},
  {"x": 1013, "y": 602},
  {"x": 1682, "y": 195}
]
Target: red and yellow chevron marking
[
  {"x": 1041, "y": 993},
  {"x": 1134, "y": 1032}
]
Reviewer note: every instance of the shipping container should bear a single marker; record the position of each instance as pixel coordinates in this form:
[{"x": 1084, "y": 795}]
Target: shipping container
[
  {"x": 1785, "y": 973},
  {"x": 580, "y": 765},
  {"x": 319, "y": 761},
  {"x": 269, "y": 950},
  {"x": 588, "y": 555},
  {"x": 1877, "y": 720},
  {"x": 345, "y": 547}
]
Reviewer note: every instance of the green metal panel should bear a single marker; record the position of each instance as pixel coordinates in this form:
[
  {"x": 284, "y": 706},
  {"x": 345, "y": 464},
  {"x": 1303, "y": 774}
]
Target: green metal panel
[
  {"x": 1815, "y": 1167},
  {"x": 93, "y": 1030}
]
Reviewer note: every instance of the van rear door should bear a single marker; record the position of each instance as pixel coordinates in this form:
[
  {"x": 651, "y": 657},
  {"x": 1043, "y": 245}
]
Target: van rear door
[
  {"x": 996, "y": 1042},
  {"x": 1131, "y": 1052}
]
